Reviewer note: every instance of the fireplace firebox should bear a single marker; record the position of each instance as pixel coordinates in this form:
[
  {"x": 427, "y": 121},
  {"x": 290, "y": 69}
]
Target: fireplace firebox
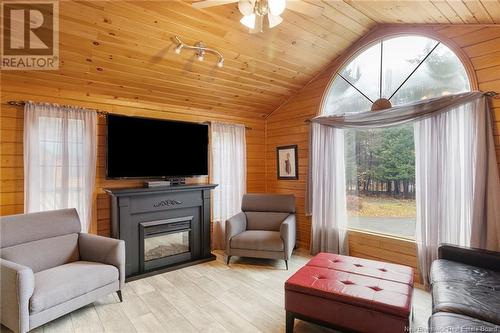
[
  {"x": 165, "y": 242},
  {"x": 163, "y": 228}
]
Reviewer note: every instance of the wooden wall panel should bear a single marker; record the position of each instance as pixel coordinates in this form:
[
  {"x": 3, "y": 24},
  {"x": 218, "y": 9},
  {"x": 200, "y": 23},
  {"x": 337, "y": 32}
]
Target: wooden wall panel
[
  {"x": 391, "y": 249},
  {"x": 286, "y": 125},
  {"x": 11, "y": 143}
]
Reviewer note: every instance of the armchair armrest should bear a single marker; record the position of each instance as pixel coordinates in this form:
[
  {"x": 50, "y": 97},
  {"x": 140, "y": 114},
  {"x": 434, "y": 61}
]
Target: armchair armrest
[
  {"x": 104, "y": 250},
  {"x": 17, "y": 284},
  {"x": 235, "y": 225},
  {"x": 470, "y": 256},
  {"x": 288, "y": 234}
]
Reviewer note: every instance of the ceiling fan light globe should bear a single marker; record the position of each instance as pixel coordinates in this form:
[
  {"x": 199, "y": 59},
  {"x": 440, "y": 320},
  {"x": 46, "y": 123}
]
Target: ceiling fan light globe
[
  {"x": 276, "y": 7},
  {"x": 274, "y": 20},
  {"x": 178, "y": 49},
  {"x": 246, "y": 7},
  {"x": 248, "y": 21}
]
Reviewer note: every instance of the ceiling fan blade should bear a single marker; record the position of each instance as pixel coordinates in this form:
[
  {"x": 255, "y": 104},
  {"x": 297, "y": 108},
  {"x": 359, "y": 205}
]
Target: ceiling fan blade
[
  {"x": 273, "y": 20},
  {"x": 305, "y": 8},
  {"x": 211, "y": 3}
]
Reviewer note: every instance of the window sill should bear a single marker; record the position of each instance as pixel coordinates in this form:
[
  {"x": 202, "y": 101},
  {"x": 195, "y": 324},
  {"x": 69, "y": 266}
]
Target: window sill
[{"x": 381, "y": 235}]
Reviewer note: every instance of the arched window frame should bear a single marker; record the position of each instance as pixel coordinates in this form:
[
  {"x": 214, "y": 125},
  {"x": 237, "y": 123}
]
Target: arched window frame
[
  {"x": 392, "y": 32},
  {"x": 383, "y": 34}
]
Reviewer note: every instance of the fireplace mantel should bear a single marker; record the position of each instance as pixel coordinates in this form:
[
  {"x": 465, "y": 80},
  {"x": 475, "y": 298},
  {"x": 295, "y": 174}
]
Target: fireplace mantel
[{"x": 144, "y": 218}]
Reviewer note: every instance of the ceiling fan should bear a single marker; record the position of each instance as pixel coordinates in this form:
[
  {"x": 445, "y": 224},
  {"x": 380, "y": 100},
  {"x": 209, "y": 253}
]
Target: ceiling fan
[{"x": 254, "y": 11}]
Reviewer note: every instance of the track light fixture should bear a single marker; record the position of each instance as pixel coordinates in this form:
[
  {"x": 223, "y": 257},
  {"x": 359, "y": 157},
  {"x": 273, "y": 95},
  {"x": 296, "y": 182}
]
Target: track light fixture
[{"x": 200, "y": 50}]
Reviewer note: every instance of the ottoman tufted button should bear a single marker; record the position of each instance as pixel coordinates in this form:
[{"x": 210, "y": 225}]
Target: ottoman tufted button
[
  {"x": 375, "y": 288},
  {"x": 358, "y": 265},
  {"x": 382, "y": 269},
  {"x": 347, "y": 282}
]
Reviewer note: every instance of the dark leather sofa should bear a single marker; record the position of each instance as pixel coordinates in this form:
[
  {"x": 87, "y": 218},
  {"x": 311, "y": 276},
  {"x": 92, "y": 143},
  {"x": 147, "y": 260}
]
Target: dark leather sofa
[{"x": 465, "y": 286}]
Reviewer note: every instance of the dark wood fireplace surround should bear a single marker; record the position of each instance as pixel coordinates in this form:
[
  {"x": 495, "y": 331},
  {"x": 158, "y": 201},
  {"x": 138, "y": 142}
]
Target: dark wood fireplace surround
[{"x": 163, "y": 228}]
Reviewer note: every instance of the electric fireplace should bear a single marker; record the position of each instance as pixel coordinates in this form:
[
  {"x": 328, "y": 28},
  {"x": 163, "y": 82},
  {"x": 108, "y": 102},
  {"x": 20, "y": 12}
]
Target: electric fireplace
[{"x": 163, "y": 228}]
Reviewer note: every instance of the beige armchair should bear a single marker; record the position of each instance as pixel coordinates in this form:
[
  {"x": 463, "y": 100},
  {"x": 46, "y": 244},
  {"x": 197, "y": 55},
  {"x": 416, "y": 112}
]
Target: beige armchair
[
  {"x": 265, "y": 228},
  {"x": 48, "y": 268}
]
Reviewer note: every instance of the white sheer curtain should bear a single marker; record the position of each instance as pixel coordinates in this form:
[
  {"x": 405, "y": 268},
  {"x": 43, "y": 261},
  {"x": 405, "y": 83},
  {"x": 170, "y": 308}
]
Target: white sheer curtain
[
  {"x": 228, "y": 170},
  {"x": 457, "y": 187},
  {"x": 59, "y": 159},
  {"x": 327, "y": 190},
  {"x": 457, "y": 181}
]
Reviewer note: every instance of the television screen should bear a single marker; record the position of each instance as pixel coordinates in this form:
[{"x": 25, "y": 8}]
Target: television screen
[{"x": 154, "y": 148}]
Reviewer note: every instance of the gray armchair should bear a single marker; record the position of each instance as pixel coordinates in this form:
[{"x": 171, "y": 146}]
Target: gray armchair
[
  {"x": 265, "y": 228},
  {"x": 48, "y": 268}
]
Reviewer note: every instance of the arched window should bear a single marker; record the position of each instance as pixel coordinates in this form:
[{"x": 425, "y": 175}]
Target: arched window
[
  {"x": 380, "y": 163},
  {"x": 401, "y": 69}
]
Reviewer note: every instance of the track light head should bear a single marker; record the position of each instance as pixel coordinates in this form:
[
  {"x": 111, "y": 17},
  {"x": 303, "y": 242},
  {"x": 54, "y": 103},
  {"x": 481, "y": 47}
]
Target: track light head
[
  {"x": 220, "y": 63},
  {"x": 178, "y": 48}
]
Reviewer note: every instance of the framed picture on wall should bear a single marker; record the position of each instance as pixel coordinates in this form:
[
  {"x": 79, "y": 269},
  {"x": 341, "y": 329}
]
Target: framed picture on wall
[{"x": 288, "y": 162}]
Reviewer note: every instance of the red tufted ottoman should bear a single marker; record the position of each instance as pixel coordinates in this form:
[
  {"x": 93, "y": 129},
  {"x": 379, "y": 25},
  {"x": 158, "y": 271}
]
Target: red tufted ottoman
[{"x": 350, "y": 294}]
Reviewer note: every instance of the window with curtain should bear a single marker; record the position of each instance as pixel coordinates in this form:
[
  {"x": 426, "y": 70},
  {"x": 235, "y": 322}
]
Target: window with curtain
[
  {"x": 380, "y": 163},
  {"x": 59, "y": 159},
  {"x": 228, "y": 170}
]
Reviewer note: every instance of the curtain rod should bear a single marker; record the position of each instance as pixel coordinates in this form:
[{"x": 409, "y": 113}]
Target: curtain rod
[
  {"x": 209, "y": 123},
  {"x": 492, "y": 94},
  {"x": 99, "y": 112},
  {"x": 22, "y": 103}
]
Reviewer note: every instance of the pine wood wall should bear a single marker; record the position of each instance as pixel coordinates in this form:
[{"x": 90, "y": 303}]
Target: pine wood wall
[
  {"x": 11, "y": 143},
  {"x": 478, "y": 46}
]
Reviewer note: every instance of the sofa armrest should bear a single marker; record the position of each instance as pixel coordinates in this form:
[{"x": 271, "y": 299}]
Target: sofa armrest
[
  {"x": 104, "y": 250},
  {"x": 470, "y": 256},
  {"x": 288, "y": 234},
  {"x": 235, "y": 225},
  {"x": 17, "y": 283}
]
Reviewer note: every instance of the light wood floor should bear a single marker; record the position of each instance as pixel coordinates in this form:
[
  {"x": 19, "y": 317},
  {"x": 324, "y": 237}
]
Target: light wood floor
[{"x": 246, "y": 296}]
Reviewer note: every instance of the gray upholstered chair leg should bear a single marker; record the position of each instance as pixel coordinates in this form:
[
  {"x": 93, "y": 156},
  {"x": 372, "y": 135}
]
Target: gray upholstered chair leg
[
  {"x": 286, "y": 264},
  {"x": 227, "y": 260},
  {"x": 119, "y": 293}
]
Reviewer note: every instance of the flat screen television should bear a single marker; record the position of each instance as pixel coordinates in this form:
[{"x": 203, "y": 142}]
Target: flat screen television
[{"x": 153, "y": 148}]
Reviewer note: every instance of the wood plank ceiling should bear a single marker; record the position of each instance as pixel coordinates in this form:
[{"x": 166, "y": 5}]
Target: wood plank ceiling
[{"x": 124, "y": 50}]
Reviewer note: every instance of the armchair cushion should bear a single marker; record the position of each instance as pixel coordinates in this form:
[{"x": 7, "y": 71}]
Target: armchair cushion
[
  {"x": 265, "y": 220},
  {"x": 43, "y": 254},
  {"x": 475, "y": 301},
  {"x": 451, "y": 271},
  {"x": 284, "y": 203},
  {"x": 62, "y": 283},
  {"x": 258, "y": 240}
]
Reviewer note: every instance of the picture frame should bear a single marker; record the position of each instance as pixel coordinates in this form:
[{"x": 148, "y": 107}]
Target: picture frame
[{"x": 287, "y": 162}]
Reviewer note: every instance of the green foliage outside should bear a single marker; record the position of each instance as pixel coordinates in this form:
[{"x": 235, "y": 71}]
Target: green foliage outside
[{"x": 381, "y": 161}]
